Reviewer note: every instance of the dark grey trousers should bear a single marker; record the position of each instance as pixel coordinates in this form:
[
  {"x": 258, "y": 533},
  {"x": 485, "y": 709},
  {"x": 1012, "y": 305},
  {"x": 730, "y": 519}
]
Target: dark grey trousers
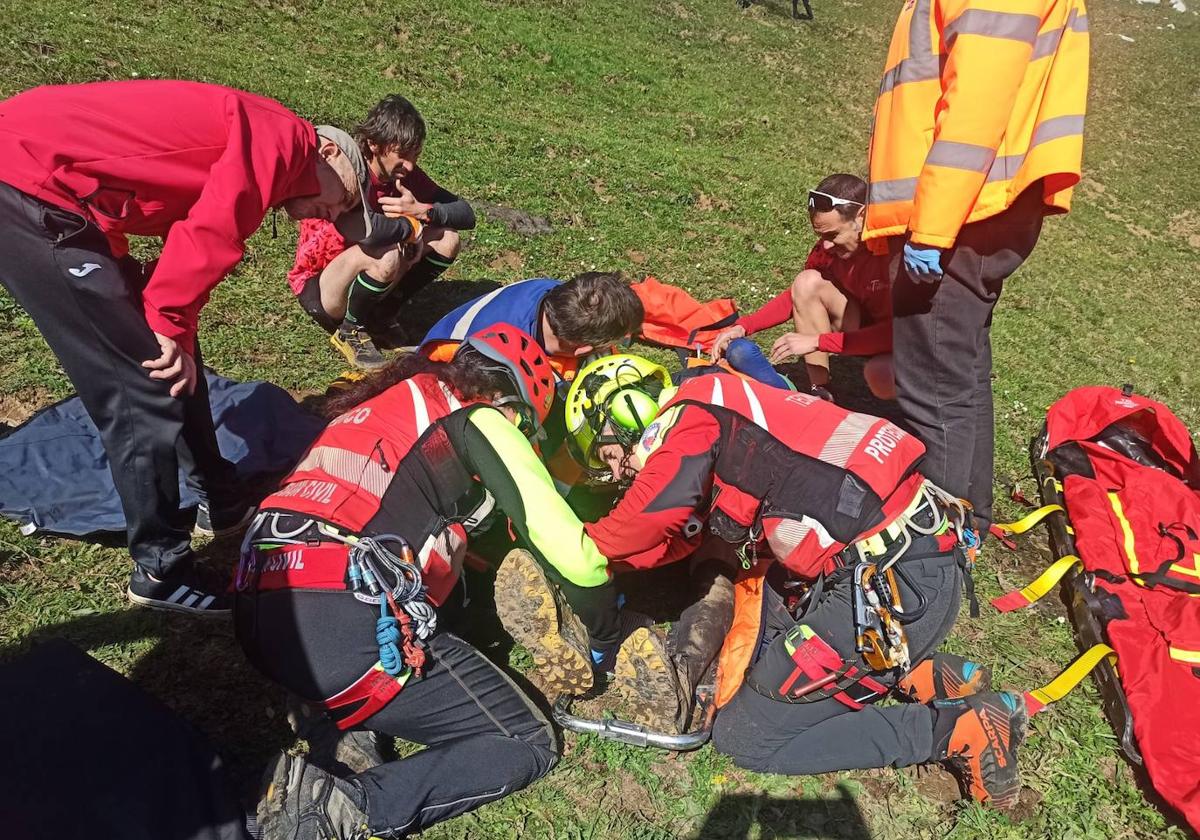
[
  {"x": 942, "y": 350},
  {"x": 88, "y": 306},
  {"x": 772, "y": 736}
]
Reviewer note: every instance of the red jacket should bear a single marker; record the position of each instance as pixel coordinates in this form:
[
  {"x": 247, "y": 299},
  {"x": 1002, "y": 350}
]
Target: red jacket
[
  {"x": 801, "y": 476},
  {"x": 199, "y": 165}
]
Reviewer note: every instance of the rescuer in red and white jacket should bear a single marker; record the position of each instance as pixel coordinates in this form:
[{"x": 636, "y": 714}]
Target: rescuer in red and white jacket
[
  {"x": 733, "y": 469},
  {"x": 345, "y": 584}
]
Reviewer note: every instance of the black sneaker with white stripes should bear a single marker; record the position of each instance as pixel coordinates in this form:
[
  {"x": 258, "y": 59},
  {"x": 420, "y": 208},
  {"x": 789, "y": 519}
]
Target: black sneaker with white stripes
[
  {"x": 219, "y": 522},
  {"x": 187, "y": 593}
]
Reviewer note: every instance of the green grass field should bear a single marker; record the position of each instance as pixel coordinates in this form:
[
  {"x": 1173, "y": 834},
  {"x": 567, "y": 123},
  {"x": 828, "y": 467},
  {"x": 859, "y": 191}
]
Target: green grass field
[{"x": 674, "y": 139}]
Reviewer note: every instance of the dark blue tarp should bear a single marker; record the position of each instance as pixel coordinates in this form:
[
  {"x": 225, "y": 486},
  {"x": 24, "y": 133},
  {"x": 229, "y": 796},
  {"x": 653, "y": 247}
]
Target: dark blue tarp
[{"x": 54, "y": 473}]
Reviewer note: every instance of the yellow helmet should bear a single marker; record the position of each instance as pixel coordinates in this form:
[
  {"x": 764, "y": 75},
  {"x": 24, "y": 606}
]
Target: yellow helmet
[{"x": 612, "y": 400}]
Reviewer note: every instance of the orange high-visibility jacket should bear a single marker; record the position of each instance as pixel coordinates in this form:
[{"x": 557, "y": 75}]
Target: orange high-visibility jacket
[{"x": 981, "y": 98}]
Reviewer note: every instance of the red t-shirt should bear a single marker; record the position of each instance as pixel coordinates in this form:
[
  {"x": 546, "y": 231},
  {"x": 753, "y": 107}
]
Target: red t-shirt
[
  {"x": 320, "y": 243},
  {"x": 862, "y": 277}
]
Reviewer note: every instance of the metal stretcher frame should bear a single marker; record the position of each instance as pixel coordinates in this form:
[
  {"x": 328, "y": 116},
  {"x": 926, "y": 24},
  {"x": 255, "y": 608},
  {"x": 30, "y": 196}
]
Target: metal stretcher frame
[
  {"x": 626, "y": 732},
  {"x": 1080, "y": 598}
]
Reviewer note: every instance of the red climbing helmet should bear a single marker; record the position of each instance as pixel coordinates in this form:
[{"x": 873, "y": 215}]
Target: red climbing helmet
[{"x": 525, "y": 362}]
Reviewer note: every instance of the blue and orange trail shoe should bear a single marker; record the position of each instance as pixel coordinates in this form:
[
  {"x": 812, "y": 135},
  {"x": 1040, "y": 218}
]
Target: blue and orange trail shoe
[
  {"x": 944, "y": 676},
  {"x": 985, "y": 731}
]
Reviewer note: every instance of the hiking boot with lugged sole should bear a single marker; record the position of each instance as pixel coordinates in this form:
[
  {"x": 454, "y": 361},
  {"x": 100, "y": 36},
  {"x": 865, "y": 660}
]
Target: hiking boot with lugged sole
[
  {"x": 945, "y": 676},
  {"x": 645, "y": 680},
  {"x": 982, "y": 748},
  {"x": 353, "y": 342},
  {"x": 536, "y": 616},
  {"x": 303, "y": 802}
]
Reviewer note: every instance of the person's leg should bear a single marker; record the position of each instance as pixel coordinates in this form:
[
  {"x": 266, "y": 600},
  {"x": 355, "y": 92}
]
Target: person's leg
[
  {"x": 484, "y": 740},
  {"x": 224, "y": 504},
  {"x": 440, "y": 247},
  {"x": 942, "y": 350},
  {"x": 880, "y": 377},
  {"x": 935, "y": 340},
  {"x": 1003, "y": 243},
  {"x": 352, "y": 286},
  {"x": 817, "y": 308},
  {"x": 746, "y": 357},
  {"x": 765, "y": 733},
  {"x": 60, "y": 269}
]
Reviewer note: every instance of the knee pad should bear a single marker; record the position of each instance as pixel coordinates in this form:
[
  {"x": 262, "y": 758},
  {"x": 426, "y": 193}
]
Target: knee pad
[{"x": 742, "y": 353}]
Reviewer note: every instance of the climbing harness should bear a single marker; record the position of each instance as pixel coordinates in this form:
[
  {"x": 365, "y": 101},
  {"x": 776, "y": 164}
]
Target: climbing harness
[{"x": 380, "y": 570}]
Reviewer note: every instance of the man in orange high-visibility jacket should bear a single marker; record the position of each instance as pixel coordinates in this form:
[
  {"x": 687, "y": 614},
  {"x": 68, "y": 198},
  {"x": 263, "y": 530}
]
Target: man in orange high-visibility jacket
[{"x": 978, "y": 134}]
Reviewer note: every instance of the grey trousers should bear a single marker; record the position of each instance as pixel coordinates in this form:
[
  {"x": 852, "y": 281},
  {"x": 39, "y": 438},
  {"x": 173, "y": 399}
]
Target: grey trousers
[
  {"x": 772, "y": 736},
  {"x": 942, "y": 350}
]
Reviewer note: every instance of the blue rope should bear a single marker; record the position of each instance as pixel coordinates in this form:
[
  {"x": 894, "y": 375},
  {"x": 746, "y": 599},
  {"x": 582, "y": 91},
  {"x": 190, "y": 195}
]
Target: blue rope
[{"x": 387, "y": 634}]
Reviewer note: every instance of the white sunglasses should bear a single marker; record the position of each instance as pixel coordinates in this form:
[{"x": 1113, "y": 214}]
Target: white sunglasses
[{"x": 824, "y": 202}]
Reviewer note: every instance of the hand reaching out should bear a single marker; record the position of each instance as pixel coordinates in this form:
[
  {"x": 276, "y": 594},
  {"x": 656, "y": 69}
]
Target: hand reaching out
[{"x": 792, "y": 344}]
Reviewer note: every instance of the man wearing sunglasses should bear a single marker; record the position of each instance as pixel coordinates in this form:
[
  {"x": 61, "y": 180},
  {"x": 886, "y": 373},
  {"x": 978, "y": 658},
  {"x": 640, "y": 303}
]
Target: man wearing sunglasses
[
  {"x": 840, "y": 303},
  {"x": 978, "y": 134}
]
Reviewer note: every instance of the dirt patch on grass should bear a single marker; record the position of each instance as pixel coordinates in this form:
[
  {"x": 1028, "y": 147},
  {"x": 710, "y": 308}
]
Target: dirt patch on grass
[
  {"x": 15, "y": 409},
  {"x": 1186, "y": 226}
]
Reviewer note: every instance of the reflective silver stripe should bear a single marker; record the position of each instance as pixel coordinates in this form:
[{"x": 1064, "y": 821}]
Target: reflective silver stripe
[
  {"x": 349, "y": 467},
  {"x": 1047, "y": 43},
  {"x": 919, "y": 69},
  {"x": 756, "y": 409},
  {"x": 420, "y": 410},
  {"x": 462, "y": 328},
  {"x": 920, "y": 30},
  {"x": 921, "y": 64},
  {"x": 191, "y": 599},
  {"x": 955, "y": 155},
  {"x": 1056, "y": 127},
  {"x": 208, "y": 599},
  {"x": 901, "y": 189},
  {"x": 178, "y": 594},
  {"x": 1010, "y": 26},
  {"x": 718, "y": 393},
  {"x": 1005, "y": 167},
  {"x": 846, "y": 438}
]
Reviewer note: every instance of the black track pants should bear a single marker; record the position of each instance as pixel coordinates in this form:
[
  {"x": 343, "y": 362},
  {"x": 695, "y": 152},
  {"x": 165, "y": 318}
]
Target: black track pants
[
  {"x": 484, "y": 739},
  {"x": 942, "y": 350},
  {"x": 773, "y": 736},
  {"x": 60, "y": 269}
]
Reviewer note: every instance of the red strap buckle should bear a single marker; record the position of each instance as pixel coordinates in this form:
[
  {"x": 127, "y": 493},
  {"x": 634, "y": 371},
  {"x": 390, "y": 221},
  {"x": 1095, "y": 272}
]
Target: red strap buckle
[{"x": 374, "y": 689}]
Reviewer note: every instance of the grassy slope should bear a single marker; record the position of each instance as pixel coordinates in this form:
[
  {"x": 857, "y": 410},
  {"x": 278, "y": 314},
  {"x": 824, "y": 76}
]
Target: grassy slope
[{"x": 675, "y": 139}]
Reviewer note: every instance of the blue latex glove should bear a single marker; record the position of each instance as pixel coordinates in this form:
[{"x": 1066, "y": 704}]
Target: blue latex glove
[{"x": 924, "y": 264}]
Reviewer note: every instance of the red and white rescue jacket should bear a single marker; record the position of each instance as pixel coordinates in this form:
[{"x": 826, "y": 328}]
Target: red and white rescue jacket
[
  {"x": 388, "y": 466},
  {"x": 763, "y": 468}
]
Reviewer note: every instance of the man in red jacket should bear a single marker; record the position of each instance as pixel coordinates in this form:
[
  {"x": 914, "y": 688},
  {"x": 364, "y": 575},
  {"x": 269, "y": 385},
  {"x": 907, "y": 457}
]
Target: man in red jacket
[{"x": 82, "y": 166}]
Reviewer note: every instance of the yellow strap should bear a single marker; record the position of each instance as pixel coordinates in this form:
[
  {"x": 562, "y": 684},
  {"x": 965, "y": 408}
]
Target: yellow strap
[
  {"x": 1048, "y": 579},
  {"x": 1126, "y": 531},
  {"x": 1073, "y": 674},
  {"x": 1026, "y": 522}
]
